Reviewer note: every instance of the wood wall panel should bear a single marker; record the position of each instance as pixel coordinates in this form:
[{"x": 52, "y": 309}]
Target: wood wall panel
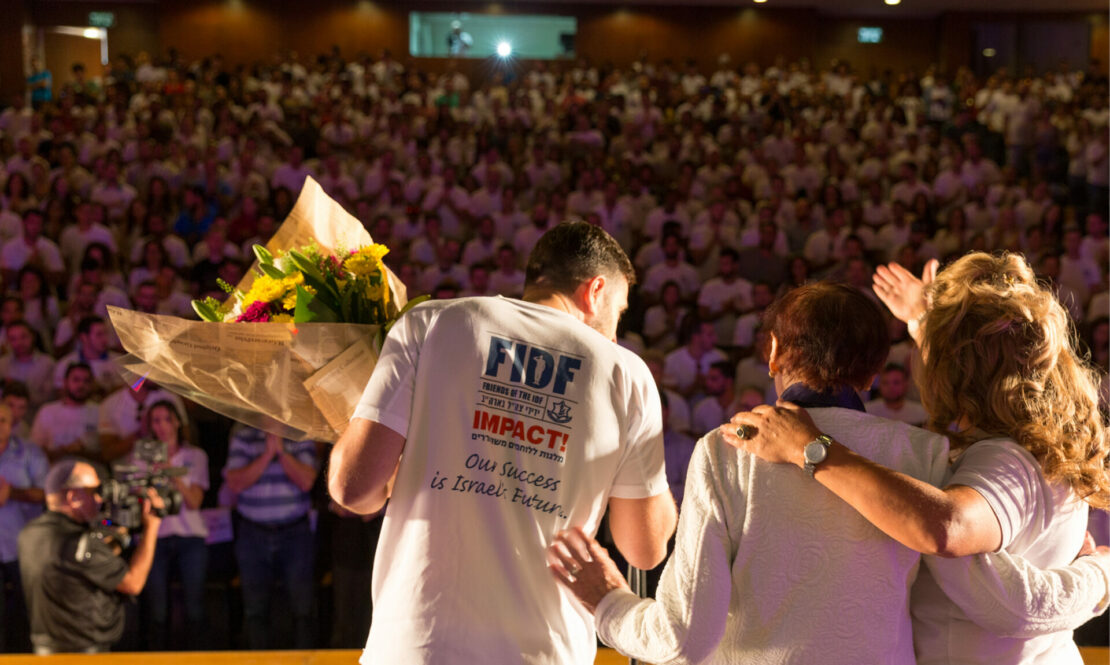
[{"x": 135, "y": 31}]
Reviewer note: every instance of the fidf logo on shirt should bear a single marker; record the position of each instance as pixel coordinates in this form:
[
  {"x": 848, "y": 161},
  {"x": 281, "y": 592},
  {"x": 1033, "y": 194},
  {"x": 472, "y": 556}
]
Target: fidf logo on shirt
[{"x": 534, "y": 367}]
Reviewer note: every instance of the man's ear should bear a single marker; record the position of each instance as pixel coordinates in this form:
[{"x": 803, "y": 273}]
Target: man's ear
[{"x": 592, "y": 295}]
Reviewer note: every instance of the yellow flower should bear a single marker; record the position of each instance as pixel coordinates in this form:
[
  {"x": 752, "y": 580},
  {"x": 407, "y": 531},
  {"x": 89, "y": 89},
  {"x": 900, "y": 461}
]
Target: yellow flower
[
  {"x": 290, "y": 300},
  {"x": 264, "y": 289},
  {"x": 366, "y": 260},
  {"x": 282, "y": 318}
]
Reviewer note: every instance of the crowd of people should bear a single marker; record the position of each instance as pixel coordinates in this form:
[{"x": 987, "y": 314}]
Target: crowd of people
[{"x": 145, "y": 186}]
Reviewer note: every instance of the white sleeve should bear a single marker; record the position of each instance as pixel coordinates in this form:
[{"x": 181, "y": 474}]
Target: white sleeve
[
  {"x": 687, "y": 618},
  {"x": 1011, "y": 597},
  {"x": 1007, "y": 476},
  {"x": 387, "y": 398},
  {"x": 642, "y": 472}
]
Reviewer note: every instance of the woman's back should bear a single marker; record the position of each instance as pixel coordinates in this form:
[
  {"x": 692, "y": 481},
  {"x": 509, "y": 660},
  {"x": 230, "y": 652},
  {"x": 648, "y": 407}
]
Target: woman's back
[{"x": 811, "y": 580}]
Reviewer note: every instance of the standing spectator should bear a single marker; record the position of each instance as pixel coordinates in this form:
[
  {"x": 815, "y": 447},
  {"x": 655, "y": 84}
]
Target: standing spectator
[
  {"x": 93, "y": 350},
  {"x": 23, "y": 470},
  {"x": 181, "y": 546},
  {"x": 32, "y": 249},
  {"x": 69, "y": 425},
  {"x": 40, "y": 83},
  {"x": 26, "y": 364},
  {"x": 274, "y": 542}
]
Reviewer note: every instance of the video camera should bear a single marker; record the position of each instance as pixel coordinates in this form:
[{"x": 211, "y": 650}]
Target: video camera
[{"x": 124, "y": 493}]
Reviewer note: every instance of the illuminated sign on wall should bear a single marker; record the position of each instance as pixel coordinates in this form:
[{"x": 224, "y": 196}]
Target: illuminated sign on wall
[{"x": 870, "y": 35}]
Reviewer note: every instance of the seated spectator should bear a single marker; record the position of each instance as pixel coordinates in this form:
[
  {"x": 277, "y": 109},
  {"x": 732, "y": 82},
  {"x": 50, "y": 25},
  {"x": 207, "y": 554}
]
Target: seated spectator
[{"x": 892, "y": 402}]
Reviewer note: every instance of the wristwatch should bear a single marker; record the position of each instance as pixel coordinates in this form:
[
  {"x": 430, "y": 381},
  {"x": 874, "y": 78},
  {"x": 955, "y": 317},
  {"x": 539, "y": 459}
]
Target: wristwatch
[{"x": 817, "y": 451}]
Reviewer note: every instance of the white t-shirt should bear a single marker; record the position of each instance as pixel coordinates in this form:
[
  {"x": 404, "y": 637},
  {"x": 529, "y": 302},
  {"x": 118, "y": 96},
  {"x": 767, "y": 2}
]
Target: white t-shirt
[
  {"x": 58, "y": 424},
  {"x": 1043, "y": 523},
  {"x": 519, "y": 421},
  {"x": 769, "y": 567}
]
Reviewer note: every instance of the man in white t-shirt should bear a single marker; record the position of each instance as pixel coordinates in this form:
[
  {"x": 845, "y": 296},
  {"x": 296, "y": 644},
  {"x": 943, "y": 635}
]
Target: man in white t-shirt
[
  {"x": 892, "y": 402},
  {"x": 69, "y": 426},
  {"x": 516, "y": 419}
]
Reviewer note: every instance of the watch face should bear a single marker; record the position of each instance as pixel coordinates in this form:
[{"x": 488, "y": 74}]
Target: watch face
[{"x": 816, "y": 452}]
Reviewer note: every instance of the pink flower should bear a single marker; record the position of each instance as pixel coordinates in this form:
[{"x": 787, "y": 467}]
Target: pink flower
[{"x": 258, "y": 312}]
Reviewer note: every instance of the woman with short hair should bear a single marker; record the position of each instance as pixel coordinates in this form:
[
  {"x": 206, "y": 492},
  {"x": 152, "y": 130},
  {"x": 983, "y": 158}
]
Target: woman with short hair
[
  {"x": 768, "y": 566},
  {"x": 1001, "y": 376}
]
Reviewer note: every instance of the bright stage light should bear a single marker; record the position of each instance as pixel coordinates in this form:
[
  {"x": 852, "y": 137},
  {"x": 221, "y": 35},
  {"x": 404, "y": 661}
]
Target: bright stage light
[{"x": 504, "y": 49}]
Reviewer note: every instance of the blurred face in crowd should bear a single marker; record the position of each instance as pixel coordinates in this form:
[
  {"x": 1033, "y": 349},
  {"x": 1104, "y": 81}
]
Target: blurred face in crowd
[
  {"x": 164, "y": 424},
  {"x": 18, "y": 406},
  {"x": 748, "y": 399},
  {"x": 146, "y": 298},
  {"x": 716, "y": 382},
  {"x": 95, "y": 342},
  {"x": 892, "y": 385},
  {"x": 21, "y": 341},
  {"x": 11, "y": 310},
  {"x": 78, "y": 385}
]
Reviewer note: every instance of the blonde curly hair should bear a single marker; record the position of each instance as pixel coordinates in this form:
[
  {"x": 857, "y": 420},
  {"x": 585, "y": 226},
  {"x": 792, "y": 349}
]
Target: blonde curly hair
[{"x": 1000, "y": 357}]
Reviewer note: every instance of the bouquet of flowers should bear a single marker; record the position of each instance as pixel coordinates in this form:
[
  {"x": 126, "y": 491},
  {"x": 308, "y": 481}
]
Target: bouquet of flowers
[{"x": 292, "y": 346}]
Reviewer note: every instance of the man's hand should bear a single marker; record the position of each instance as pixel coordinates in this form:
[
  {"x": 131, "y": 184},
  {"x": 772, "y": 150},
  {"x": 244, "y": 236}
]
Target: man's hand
[
  {"x": 776, "y": 434},
  {"x": 583, "y": 566},
  {"x": 153, "y": 503},
  {"x": 274, "y": 445}
]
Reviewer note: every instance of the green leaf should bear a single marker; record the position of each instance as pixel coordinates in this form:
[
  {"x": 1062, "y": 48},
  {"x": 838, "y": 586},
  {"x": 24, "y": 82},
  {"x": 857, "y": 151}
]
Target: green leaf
[
  {"x": 270, "y": 271},
  {"x": 263, "y": 255},
  {"x": 206, "y": 311},
  {"x": 305, "y": 265},
  {"x": 303, "y": 312}
]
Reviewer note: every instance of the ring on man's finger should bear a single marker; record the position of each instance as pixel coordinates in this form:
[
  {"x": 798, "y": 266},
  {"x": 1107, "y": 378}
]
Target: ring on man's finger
[
  {"x": 745, "y": 431},
  {"x": 574, "y": 569}
]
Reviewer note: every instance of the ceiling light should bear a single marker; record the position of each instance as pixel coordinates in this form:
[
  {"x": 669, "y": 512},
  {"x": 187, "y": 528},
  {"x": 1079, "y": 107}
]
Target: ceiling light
[{"x": 892, "y": 2}]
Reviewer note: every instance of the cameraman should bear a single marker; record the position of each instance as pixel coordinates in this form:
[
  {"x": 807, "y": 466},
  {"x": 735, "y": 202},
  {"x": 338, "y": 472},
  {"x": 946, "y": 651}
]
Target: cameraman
[{"x": 75, "y": 582}]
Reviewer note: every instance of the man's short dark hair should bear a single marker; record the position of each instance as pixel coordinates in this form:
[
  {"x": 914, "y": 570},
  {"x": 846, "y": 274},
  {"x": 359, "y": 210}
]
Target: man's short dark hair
[
  {"x": 84, "y": 326},
  {"x": 573, "y": 252},
  {"x": 13, "y": 388},
  {"x": 75, "y": 366}
]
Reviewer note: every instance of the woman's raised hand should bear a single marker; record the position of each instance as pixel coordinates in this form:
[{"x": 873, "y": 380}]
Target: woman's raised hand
[{"x": 901, "y": 292}]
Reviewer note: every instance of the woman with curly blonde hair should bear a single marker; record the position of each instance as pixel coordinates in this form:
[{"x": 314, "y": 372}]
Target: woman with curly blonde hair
[{"x": 1001, "y": 377}]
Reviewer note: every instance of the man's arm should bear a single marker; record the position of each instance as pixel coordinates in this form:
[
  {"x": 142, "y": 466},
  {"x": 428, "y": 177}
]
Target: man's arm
[
  {"x": 642, "y": 527},
  {"x": 138, "y": 568},
  {"x": 302, "y": 475},
  {"x": 363, "y": 464}
]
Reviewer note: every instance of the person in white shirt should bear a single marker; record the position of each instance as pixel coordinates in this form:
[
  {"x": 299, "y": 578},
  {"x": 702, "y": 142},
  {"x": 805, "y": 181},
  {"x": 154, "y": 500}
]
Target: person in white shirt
[
  {"x": 749, "y": 579},
  {"x": 69, "y": 425},
  {"x": 27, "y": 364},
  {"x": 720, "y": 401},
  {"x": 32, "y": 249},
  {"x": 1000, "y": 366},
  {"x": 672, "y": 269},
  {"x": 93, "y": 342},
  {"x": 685, "y": 368},
  {"x": 87, "y": 230},
  {"x": 892, "y": 402},
  {"x": 726, "y": 296},
  {"x": 291, "y": 174},
  {"x": 517, "y": 418}
]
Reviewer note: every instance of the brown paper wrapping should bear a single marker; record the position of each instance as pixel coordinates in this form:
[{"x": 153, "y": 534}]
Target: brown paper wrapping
[{"x": 300, "y": 381}]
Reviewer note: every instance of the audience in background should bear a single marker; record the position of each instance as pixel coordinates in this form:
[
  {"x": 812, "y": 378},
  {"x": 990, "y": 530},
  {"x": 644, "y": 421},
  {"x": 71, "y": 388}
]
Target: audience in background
[{"x": 141, "y": 187}]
